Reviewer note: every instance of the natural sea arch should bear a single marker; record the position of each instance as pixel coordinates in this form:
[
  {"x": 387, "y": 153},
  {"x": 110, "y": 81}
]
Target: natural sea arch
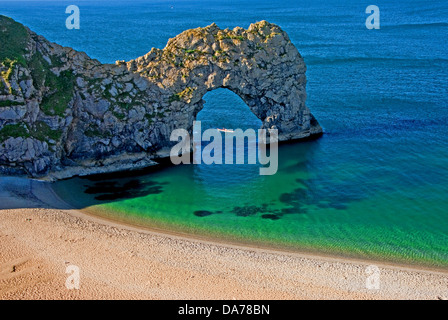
[
  {"x": 260, "y": 65},
  {"x": 64, "y": 114}
]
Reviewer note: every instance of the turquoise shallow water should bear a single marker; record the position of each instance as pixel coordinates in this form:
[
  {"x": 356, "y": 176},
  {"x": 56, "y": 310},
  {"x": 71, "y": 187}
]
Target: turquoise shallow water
[{"x": 374, "y": 186}]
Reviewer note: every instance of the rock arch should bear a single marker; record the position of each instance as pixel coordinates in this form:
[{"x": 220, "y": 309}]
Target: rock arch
[
  {"x": 64, "y": 114},
  {"x": 259, "y": 64}
]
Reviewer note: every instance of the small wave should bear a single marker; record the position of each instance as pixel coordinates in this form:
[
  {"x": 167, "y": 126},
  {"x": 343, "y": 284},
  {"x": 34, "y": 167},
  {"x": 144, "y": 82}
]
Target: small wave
[
  {"x": 389, "y": 127},
  {"x": 341, "y": 60},
  {"x": 416, "y": 25}
]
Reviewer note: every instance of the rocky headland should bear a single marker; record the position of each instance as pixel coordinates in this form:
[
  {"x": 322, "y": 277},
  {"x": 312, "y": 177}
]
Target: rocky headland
[{"x": 64, "y": 114}]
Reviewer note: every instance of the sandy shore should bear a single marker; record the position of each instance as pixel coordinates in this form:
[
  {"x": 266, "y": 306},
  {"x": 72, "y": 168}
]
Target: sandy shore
[{"x": 38, "y": 243}]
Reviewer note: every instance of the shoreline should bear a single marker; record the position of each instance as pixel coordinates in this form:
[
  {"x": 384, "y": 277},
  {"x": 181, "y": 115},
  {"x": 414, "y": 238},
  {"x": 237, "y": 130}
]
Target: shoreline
[
  {"x": 252, "y": 245},
  {"x": 244, "y": 243},
  {"x": 101, "y": 229}
]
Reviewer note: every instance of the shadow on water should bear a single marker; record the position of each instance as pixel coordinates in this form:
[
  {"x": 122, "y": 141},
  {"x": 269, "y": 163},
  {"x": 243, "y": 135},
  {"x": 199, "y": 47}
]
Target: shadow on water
[
  {"x": 112, "y": 187},
  {"x": 318, "y": 190},
  {"x": 80, "y": 192},
  {"x": 118, "y": 190}
]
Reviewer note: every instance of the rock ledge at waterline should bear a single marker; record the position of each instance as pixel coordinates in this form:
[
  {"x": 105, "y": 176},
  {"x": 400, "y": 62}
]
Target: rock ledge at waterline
[{"x": 63, "y": 114}]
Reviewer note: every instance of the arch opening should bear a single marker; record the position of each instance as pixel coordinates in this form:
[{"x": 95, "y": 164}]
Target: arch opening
[{"x": 225, "y": 109}]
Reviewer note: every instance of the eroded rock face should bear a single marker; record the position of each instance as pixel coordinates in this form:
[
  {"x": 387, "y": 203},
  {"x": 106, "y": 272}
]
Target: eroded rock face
[{"x": 64, "y": 114}]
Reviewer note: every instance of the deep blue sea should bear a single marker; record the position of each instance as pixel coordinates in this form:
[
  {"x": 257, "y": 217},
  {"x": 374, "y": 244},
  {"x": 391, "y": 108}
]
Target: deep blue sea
[{"x": 375, "y": 185}]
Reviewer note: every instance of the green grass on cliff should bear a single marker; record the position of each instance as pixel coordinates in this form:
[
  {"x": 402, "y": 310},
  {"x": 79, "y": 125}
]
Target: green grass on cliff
[
  {"x": 185, "y": 94},
  {"x": 40, "y": 131},
  {"x": 229, "y": 36},
  {"x": 14, "y": 131},
  {"x": 9, "y": 103},
  {"x": 13, "y": 39},
  {"x": 43, "y": 132},
  {"x": 60, "y": 90}
]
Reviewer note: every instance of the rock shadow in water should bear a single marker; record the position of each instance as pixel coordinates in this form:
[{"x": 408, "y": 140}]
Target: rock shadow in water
[
  {"x": 270, "y": 216},
  {"x": 117, "y": 190},
  {"x": 330, "y": 195},
  {"x": 245, "y": 211},
  {"x": 203, "y": 213}
]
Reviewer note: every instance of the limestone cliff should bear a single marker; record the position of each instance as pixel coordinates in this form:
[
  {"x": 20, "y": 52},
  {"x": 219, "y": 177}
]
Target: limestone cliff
[{"x": 64, "y": 114}]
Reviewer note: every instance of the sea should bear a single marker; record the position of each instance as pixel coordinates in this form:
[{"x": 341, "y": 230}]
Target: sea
[{"x": 374, "y": 186}]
